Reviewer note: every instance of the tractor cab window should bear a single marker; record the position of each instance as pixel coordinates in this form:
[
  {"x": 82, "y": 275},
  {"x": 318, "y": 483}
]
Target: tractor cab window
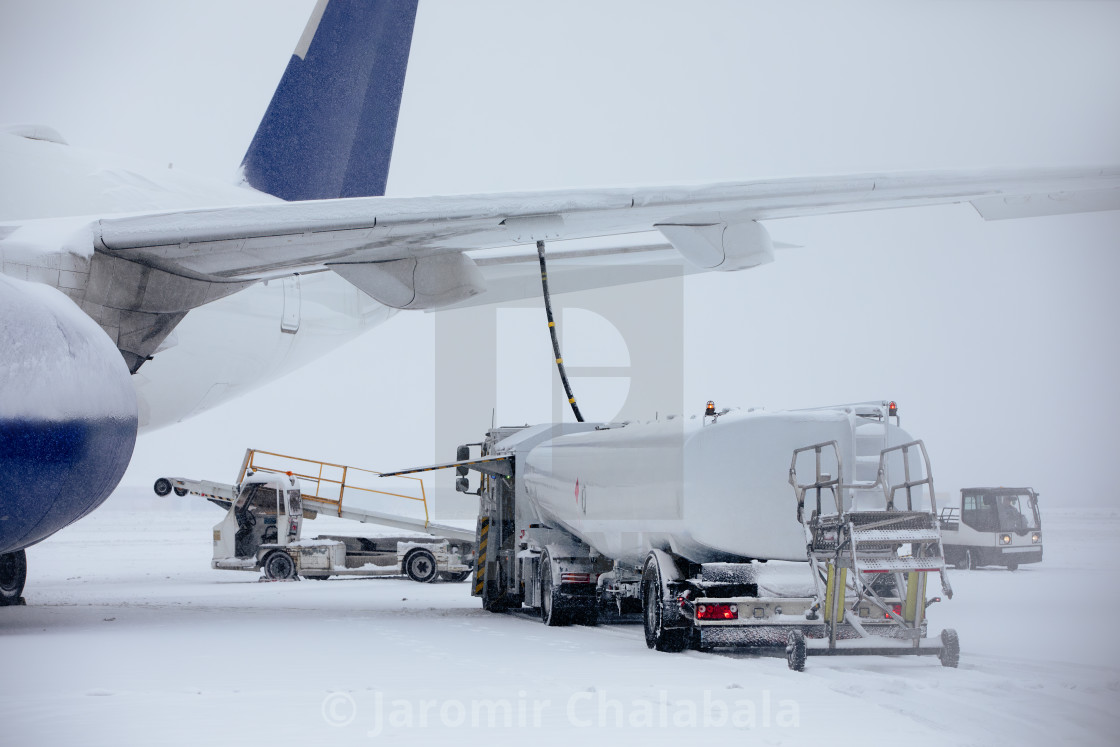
[
  {"x": 295, "y": 503},
  {"x": 260, "y": 498},
  {"x": 994, "y": 512},
  {"x": 978, "y": 512},
  {"x": 1017, "y": 513}
]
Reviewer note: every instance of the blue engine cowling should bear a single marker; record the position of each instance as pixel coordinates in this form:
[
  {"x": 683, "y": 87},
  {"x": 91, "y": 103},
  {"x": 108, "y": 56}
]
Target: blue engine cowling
[{"x": 68, "y": 413}]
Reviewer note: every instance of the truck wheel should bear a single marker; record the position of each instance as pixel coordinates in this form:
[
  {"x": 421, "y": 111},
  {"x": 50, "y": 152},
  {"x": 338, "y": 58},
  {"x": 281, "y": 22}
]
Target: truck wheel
[
  {"x": 162, "y": 487},
  {"x": 420, "y": 566},
  {"x": 279, "y": 566},
  {"x": 181, "y": 492},
  {"x": 657, "y": 635},
  {"x": 795, "y": 650},
  {"x": 969, "y": 560},
  {"x": 950, "y": 654},
  {"x": 455, "y": 578},
  {"x": 13, "y": 575},
  {"x": 1012, "y": 565},
  {"x": 494, "y": 604},
  {"x": 587, "y": 614},
  {"x": 553, "y": 613}
]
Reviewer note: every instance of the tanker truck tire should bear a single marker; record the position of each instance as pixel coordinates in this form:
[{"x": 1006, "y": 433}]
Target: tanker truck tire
[
  {"x": 494, "y": 604},
  {"x": 553, "y": 612},
  {"x": 657, "y": 635}
]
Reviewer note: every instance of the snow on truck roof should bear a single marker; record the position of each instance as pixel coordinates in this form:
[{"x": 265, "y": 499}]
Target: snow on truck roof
[{"x": 263, "y": 477}]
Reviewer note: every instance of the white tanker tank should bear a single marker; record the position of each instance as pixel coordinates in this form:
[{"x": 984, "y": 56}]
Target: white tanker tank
[
  {"x": 706, "y": 488},
  {"x": 573, "y": 509}
]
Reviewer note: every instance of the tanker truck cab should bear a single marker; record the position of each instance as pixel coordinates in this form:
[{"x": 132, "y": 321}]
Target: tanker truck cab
[{"x": 993, "y": 526}]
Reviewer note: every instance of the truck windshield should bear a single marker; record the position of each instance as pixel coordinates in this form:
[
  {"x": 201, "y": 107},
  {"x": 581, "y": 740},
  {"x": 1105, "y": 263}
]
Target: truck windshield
[
  {"x": 1000, "y": 512},
  {"x": 1016, "y": 514},
  {"x": 261, "y": 498}
]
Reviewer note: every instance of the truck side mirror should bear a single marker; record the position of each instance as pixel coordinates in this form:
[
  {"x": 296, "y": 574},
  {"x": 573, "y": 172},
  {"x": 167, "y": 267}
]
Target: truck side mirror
[{"x": 463, "y": 485}]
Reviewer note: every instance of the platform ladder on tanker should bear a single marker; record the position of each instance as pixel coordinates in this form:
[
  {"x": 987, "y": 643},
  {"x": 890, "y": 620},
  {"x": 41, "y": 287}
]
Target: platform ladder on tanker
[{"x": 855, "y": 548}]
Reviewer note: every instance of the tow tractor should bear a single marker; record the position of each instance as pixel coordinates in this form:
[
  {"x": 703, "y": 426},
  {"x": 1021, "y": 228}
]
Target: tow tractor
[
  {"x": 266, "y": 507},
  {"x": 993, "y": 526}
]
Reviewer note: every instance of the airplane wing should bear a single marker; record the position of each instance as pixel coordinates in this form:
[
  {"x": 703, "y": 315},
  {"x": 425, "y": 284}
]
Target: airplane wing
[
  {"x": 261, "y": 241},
  {"x": 438, "y": 252}
]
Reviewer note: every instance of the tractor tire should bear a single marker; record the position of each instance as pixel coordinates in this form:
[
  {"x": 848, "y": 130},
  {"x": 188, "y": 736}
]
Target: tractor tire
[{"x": 969, "y": 561}]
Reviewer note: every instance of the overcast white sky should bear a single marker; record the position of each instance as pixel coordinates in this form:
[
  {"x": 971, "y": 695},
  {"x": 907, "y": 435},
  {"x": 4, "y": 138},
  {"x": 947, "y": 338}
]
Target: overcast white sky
[{"x": 998, "y": 339}]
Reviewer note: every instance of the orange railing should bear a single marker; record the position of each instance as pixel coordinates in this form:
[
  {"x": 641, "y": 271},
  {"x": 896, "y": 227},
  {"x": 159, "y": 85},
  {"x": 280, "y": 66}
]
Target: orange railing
[{"x": 327, "y": 482}]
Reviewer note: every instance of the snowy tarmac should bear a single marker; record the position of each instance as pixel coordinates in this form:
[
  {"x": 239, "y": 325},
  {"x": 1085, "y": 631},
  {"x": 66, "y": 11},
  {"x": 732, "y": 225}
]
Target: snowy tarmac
[{"x": 129, "y": 638}]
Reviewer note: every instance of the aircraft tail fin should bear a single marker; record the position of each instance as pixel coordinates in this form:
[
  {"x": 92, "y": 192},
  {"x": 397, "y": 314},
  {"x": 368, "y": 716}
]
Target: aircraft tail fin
[{"x": 329, "y": 129}]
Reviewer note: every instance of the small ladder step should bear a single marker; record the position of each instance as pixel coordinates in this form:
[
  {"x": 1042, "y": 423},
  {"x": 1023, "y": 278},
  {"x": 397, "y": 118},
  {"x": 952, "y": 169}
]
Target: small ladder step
[
  {"x": 862, "y": 536},
  {"x": 884, "y": 565}
]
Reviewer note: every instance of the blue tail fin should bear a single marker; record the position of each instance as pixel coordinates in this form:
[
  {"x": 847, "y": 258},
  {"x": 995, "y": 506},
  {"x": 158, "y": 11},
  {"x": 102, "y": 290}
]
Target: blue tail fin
[{"x": 329, "y": 129}]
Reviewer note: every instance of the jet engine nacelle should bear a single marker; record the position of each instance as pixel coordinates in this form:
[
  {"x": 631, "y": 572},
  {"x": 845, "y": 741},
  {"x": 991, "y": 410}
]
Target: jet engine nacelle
[
  {"x": 721, "y": 245},
  {"x": 68, "y": 413}
]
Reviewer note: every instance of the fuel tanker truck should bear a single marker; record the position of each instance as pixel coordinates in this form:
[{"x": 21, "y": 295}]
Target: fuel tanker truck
[{"x": 583, "y": 522}]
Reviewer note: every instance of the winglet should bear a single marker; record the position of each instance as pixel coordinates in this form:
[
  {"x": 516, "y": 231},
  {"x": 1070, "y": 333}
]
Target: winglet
[{"x": 329, "y": 129}]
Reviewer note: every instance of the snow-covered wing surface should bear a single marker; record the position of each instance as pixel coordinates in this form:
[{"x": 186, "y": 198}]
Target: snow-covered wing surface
[{"x": 257, "y": 241}]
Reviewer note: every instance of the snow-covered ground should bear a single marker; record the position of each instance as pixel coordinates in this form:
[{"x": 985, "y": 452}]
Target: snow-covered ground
[{"x": 129, "y": 638}]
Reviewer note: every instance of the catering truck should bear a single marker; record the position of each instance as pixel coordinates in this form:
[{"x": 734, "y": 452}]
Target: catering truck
[
  {"x": 993, "y": 526},
  {"x": 585, "y": 521}
]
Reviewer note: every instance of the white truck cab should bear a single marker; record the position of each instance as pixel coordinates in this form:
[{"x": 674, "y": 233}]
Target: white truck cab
[{"x": 261, "y": 530}]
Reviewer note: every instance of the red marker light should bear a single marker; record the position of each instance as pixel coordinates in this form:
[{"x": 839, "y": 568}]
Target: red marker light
[
  {"x": 717, "y": 612},
  {"x": 892, "y": 409}
]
